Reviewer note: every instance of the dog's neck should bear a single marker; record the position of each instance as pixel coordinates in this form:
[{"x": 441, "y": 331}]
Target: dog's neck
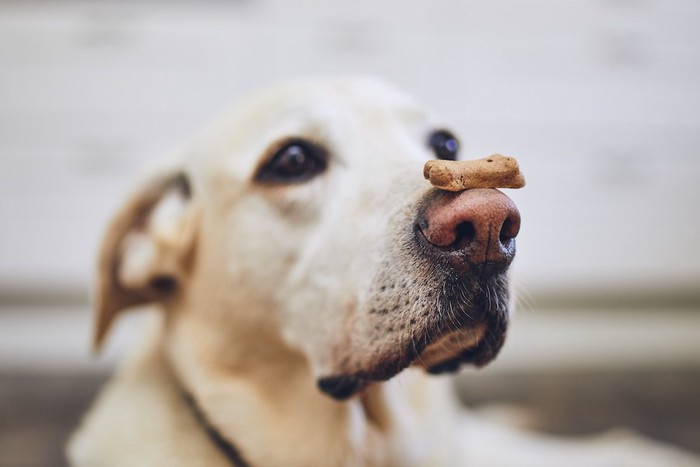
[
  {"x": 268, "y": 398},
  {"x": 256, "y": 406}
]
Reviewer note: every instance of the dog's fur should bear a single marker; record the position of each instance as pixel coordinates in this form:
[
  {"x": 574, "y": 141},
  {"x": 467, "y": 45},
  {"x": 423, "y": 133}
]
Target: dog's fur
[{"x": 288, "y": 309}]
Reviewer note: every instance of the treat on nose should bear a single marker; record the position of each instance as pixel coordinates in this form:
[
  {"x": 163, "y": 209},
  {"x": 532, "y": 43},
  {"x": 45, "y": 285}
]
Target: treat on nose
[
  {"x": 469, "y": 222},
  {"x": 495, "y": 171}
]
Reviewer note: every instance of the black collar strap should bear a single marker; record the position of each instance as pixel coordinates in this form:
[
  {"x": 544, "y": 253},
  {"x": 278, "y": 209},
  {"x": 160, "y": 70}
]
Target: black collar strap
[{"x": 225, "y": 446}]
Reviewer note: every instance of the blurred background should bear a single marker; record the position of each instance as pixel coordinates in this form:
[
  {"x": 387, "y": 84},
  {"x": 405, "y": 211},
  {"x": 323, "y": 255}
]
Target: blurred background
[{"x": 598, "y": 99}]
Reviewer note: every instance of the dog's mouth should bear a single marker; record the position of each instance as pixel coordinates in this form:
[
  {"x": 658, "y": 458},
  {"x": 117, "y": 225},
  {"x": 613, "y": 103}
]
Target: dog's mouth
[
  {"x": 476, "y": 346},
  {"x": 448, "y": 350},
  {"x": 474, "y": 335}
]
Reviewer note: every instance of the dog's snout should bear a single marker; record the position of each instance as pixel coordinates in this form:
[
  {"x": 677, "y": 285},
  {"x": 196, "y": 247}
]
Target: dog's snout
[{"x": 480, "y": 225}]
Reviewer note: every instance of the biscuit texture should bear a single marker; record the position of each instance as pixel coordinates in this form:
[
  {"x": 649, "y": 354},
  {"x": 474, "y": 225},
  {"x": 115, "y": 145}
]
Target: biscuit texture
[{"x": 495, "y": 171}]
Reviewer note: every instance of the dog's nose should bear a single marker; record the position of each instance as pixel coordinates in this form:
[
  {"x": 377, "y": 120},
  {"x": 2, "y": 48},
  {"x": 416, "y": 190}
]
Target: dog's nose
[{"x": 475, "y": 228}]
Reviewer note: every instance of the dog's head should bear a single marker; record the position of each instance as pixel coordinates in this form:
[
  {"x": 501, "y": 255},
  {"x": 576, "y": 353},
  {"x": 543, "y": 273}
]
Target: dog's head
[{"x": 302, "y": 223}]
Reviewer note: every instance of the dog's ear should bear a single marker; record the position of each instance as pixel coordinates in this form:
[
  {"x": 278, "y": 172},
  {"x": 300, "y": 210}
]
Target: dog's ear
[{"x": 147, "y": 251}]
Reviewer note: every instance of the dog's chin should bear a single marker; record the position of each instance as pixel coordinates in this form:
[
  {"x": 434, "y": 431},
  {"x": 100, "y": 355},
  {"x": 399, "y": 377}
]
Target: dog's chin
[
  {"x": 442, "y": 347},
  {"x": 450, "y": 348},
  {"x": 478, "y": 348},
  {"x": 474, "y": 346}
]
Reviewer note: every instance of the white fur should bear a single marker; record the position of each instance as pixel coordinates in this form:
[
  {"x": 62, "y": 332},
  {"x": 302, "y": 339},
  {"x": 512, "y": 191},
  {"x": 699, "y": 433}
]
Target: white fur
[{"x": 273, "y": 284}]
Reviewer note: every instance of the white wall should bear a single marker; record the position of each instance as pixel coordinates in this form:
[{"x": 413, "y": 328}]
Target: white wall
[{"x": 600, "y": 101}]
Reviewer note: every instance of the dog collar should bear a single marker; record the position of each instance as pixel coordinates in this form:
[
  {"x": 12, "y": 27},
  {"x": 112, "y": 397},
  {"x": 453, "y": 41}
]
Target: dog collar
[{"x": 225, "y": 446}]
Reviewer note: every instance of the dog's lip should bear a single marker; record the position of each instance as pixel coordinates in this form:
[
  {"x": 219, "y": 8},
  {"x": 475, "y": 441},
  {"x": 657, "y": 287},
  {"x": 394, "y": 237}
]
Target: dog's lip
[
  {"x": 446, "y": 353},
  {"x": 450, "y": 346}
]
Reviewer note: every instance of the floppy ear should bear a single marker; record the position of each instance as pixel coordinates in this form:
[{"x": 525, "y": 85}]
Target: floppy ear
[{"x": 147, "y": 251}]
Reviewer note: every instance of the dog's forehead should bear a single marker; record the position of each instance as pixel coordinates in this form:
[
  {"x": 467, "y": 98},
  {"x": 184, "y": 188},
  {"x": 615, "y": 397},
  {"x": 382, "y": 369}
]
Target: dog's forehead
[{"x": 326, "y": 110}]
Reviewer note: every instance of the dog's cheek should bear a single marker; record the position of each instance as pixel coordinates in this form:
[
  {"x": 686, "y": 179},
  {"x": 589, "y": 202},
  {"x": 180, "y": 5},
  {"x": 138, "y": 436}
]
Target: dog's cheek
[
  {"x": 259, "y": 246},
  {"x": 387, "y": 331}
]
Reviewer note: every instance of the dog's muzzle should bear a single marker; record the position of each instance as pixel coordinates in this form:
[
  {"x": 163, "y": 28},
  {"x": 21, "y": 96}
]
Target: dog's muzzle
[
  {"x": 472, "y": 232},
  {"x": 466, "y": 241}
]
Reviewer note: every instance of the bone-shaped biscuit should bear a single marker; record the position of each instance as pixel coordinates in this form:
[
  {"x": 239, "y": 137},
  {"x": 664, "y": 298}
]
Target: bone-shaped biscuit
[{"x": 490, "y": 172}]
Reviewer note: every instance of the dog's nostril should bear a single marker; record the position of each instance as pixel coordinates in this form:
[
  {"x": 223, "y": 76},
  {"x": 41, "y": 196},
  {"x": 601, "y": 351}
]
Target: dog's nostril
[
  {"x": 509, "y": 229},
  {"x": 464, "y": 234},
  {"x": 474, "y": 226}
]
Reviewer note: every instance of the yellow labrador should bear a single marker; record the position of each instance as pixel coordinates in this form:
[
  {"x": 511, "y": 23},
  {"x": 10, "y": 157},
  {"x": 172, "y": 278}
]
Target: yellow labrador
[{"x": 310, "y": 281}]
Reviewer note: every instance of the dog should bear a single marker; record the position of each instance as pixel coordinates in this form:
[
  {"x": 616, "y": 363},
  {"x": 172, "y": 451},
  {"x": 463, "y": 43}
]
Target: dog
[{"x": 311, "y": 287}]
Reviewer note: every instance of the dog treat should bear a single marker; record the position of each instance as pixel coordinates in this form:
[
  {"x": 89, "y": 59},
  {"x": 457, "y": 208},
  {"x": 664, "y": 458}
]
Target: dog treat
[{"x": 490, "y": 172}]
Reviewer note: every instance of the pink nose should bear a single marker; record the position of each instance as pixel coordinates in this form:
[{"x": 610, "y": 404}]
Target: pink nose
[{"x": 473, "y": 227}]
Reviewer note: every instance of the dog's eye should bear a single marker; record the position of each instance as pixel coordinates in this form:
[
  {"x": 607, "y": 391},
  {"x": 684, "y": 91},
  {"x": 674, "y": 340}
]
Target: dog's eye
[
  {"x": 296, "y": 161},
  {"x": 444, "y": 144}
]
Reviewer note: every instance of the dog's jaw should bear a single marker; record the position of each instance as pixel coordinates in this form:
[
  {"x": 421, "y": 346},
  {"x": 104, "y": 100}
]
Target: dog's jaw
[{"x": 464, "y": 322}]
